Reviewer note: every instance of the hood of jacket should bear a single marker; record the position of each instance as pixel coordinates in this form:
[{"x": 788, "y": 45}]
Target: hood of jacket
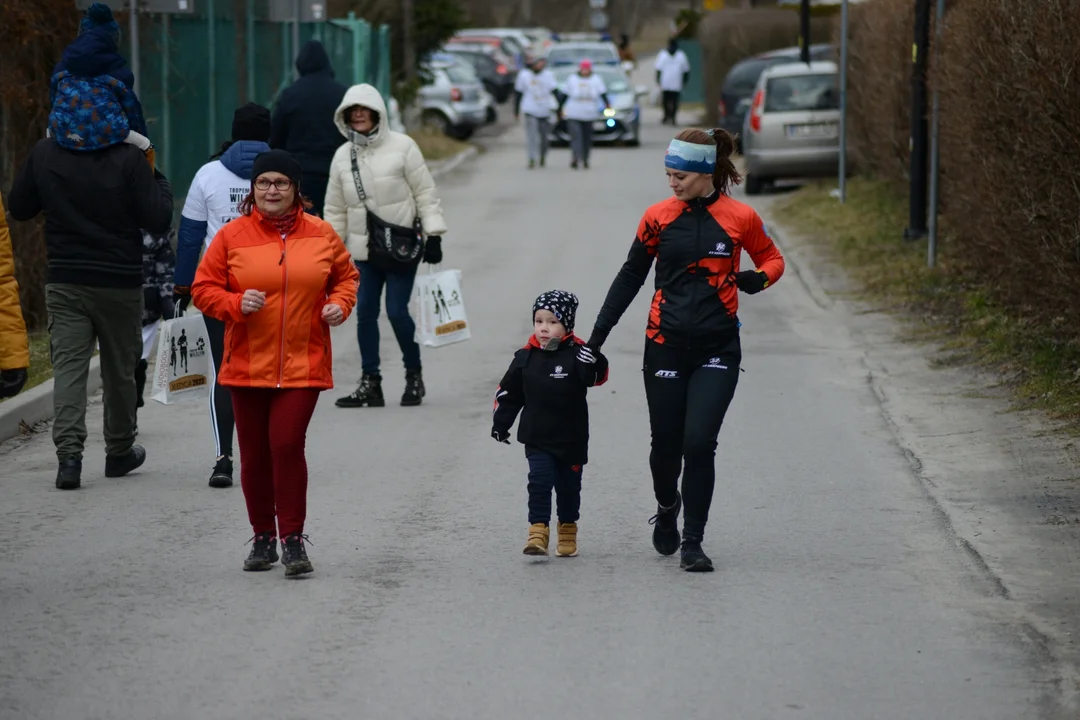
[
  {"x": 95, "y": 53},
  {"x": 241, "y": 155},
  {"x": 312, "y": 59},
  {"x": 366, "y": 96}
]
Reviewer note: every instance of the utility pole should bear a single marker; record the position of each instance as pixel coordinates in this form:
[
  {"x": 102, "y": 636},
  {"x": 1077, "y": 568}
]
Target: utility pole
[
  {"x": 133, "y": 31},
  {"x": 526, "y": 12},
  {"x": 408, "y": 44},
  {"x": 296, "y": 34},
  {"x": 804, "y": 32},
  {"x": 935, "y": 147},
  {"x": 919, "y": 131}
]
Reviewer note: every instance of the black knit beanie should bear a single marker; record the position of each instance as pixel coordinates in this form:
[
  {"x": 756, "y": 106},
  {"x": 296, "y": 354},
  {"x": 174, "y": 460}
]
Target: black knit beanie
[
  {"x": 251, "y": 122},
  {"x": 563, "y": 305},
  {"x": 277, "y": 161}
]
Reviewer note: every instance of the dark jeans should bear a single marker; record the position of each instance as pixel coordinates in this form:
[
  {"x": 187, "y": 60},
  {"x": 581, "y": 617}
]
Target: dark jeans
[
  {"x": 399, "y": 287},
  {"x": 313, "y": 187},
  {"x": 546, "y": 472},
  {"x": 671, "y": 105},
  {"x": 81, "y": 317},
  {"x": 221, "y": 407},
  {"x": 688, "y": 392}
]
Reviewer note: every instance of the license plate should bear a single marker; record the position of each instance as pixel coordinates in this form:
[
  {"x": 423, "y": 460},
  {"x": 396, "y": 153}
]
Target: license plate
[
  {"x": 599, "y": 126},
  {"x": 814, "y": 130}
]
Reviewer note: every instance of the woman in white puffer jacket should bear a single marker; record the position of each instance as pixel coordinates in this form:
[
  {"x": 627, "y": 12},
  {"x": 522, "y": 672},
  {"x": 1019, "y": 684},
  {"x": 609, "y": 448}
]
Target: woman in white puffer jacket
[{"x": 397, "y": 189}]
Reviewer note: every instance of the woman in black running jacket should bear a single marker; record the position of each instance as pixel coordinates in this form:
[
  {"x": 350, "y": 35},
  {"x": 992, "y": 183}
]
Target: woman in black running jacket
[{"x": 692, "y": 350}]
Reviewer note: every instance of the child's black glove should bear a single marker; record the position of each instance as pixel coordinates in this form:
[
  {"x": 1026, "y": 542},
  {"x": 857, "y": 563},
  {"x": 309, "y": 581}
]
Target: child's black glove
[
  {"x": 751, "y": 282},
  {"x": 585, "y": 354},
  {"x": 502, "y": 436}
]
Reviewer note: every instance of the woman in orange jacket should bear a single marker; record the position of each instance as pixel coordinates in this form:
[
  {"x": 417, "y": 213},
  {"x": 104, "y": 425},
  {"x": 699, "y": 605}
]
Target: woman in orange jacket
[{"x": 278, "y": 278}]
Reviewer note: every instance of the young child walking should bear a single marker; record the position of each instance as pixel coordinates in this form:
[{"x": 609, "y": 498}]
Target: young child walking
[{"x": 547, "y": 383}]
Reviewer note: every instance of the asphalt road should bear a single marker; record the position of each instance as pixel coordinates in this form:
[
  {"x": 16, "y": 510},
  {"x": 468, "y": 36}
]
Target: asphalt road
[{"x": 839, "y": 591}]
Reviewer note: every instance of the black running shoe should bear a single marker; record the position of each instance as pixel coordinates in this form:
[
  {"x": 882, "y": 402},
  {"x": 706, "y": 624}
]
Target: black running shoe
[
  {"x": 694, "y": 558},
  {"x": 263, "y": 553},
  {"x": 222, "y": 476},
  {"x": 69, "y": 474},
  {"x": 294, "y": 556},
  {"x": 665, "y": 534},
  {"x": 120, "y": 465}
]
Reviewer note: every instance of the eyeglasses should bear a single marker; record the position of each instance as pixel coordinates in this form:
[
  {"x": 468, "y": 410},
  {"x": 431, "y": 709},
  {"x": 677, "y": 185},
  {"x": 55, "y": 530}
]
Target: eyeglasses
[{"x": 281, "y": 185}]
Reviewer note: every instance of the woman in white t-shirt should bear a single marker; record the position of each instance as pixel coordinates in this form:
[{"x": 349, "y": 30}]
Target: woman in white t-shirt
[
  {"x": 213, "y": 200},
  {"x": 535, "y": 96},
  {"x": 579, "y": 104}
]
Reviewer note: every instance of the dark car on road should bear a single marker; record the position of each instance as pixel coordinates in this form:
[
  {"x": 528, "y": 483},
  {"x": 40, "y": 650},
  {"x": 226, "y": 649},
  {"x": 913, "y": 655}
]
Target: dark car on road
[
  {"x": 738, "y": 89},
  {"x": 498, "y": 77}
]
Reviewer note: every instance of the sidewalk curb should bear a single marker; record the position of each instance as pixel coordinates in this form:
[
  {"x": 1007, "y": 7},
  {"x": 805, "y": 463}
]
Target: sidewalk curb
[
  {"x": 796, "y": 255},
  {"x": 36, "y": 405},
  {"x": 452, "y": 163}
]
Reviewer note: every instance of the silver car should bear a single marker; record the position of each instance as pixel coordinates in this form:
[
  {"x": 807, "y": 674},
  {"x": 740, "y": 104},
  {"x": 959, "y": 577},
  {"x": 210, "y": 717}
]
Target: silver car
[
  {"x": 454, "y": 101},
  {"x": 792, "y": 129},
  {"x": 621, "y": 124}
]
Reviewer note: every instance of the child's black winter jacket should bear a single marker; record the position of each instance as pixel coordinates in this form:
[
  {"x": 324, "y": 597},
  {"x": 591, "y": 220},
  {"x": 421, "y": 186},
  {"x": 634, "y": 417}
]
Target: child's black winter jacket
[{"x": 548, "y": 387}]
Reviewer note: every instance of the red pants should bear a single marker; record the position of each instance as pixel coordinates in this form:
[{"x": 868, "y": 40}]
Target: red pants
[{"x": 271, "y": 429}]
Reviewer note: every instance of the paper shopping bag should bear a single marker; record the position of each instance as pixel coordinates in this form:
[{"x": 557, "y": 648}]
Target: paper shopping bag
[
  {"x": 184, "y": 370},
  {"x": 441, "y": 309}
]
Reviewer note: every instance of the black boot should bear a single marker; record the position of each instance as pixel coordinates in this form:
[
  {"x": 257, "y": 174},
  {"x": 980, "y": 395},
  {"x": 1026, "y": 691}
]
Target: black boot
[
  {"x": 120, "y": 465},
  {"x": 140, "y": 382},
  {"x": 69, "y": 474},
  {"x": 369, "y": 393},
  {"x": 414, "y": 389},
  {"x": 693, "y": 557},
  {"x": 665, "y": 534},
  {"x": 294, "y": 556},
  {"x": 263, "y": 553},
  {"x": 222, "y": 475}
]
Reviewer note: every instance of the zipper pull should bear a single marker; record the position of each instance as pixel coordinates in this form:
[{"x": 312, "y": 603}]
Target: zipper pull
[{"x": 282, "y": 260}]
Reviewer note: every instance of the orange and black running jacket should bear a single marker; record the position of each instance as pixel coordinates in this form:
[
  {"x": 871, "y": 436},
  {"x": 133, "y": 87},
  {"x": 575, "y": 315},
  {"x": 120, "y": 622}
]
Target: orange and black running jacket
[{"x": 696, "y": 246}]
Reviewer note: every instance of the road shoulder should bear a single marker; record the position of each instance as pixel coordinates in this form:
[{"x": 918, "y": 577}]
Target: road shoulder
[{"x": 1004, "y": 482}]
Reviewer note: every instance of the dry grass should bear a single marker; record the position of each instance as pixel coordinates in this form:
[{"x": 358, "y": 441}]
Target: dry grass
[
  {"x": 864, "y": 236},
  {"x": 436, "y": 146}
]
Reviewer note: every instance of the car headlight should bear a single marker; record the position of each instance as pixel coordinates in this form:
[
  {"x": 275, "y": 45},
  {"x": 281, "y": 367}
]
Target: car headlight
[{"x": 610, "y": 112}]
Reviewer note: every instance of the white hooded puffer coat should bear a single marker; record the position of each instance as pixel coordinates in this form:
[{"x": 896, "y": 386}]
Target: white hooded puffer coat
[{"x": 396, "y": 178}]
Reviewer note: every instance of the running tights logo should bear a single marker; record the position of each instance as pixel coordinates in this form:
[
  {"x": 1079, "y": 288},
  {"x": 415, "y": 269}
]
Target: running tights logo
[
  {"x": 715, "y": 363},
  {"x": 667, "y": 374}
]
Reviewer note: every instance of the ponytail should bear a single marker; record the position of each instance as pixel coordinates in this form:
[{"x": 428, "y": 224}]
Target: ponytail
[
  {"x": 224, "y": 146},
  {"x": 725, "y": 176}
]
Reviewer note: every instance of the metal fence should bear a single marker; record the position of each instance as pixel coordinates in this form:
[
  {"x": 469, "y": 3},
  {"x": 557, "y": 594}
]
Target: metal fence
[{"x": 196, "y": 70}]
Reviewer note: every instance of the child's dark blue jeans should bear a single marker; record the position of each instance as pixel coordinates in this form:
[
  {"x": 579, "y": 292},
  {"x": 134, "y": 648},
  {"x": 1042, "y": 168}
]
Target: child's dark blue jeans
[{"x": 546, "y": 472}]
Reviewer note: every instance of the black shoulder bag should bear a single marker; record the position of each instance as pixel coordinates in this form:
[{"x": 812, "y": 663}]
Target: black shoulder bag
[{"x": 394, "y": 246}]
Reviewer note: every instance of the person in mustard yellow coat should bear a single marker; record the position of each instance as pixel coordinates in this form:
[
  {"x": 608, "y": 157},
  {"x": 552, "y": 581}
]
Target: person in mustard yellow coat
[{"x": 14, "y": 347}]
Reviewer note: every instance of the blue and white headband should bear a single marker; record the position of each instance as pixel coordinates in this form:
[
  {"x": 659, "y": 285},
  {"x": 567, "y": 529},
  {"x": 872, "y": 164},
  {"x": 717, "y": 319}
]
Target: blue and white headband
[{"x": 691, "y": 157}]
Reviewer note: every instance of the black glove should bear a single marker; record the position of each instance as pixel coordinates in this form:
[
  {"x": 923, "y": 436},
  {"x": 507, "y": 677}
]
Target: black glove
[
  {"x": 587, "y": 355},
  {"x": 596, "y": 340},
  {"x": 433, "y": 250},
  {"x": 182, "y": 298},
  {"x": 12, "y": 382},
  {"x": 751, "y": 282},
  {"x": 502, "y": 436}
]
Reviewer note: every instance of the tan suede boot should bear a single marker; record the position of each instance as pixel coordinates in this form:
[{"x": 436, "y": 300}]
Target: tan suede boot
[
  {"x": 538, "y": 540},
  {"x": 567, "y": 546}
]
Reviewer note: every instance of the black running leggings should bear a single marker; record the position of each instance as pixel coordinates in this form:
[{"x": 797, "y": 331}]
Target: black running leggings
[
  {"x": 688, "y": 392},
  {"x": 221, "y": 409}
]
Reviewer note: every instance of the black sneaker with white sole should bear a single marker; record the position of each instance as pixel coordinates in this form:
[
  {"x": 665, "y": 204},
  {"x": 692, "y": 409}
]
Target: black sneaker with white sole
[
  {"x": 665, "y": 534},
  {"x": 222, "y": 475}
]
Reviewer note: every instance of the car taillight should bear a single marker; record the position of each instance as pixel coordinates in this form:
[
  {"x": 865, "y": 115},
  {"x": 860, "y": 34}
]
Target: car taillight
[
  {"x": 721, "y": 109},
  {"x": 502, "y": 69},
  {"x": 755, "y": 111},
  {"x": 455, "y": 95}
]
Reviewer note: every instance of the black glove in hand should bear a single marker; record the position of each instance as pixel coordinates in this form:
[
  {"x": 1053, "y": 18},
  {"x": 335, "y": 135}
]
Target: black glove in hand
[
  {"x": 587, "y": 355},
  {"x": 502, "y": 436},
  {"x": 751, "y": 282},
  {"x": 12, "y": 382},
  {"x": 433, "y": 250}
]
